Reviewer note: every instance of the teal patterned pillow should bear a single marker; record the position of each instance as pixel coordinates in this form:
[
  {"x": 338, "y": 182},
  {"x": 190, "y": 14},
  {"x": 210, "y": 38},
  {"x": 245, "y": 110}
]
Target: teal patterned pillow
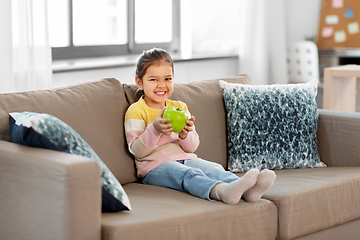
[
  {"x": 46, "y": 131},
  {"x": 271, "y": 126}
]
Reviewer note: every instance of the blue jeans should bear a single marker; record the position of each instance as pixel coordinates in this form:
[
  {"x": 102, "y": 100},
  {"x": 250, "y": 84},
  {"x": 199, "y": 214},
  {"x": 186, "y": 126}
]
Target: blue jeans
[{"x": 195, "y": 176}]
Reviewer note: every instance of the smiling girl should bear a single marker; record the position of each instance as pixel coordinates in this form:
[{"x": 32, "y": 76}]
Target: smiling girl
[{"x": 167, "y": 159}]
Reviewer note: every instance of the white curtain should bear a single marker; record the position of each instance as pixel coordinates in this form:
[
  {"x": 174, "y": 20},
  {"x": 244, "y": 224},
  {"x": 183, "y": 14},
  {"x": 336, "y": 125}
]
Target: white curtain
[
  {"x": 29, "y": 51},
  {"x": 262, "y": 48},
  {"x": 6, "y": 64}
]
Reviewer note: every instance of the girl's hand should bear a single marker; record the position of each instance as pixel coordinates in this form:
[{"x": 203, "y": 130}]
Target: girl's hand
[
  {"x": 188, "y": 128},
  {"x": 160, "y": 124}
]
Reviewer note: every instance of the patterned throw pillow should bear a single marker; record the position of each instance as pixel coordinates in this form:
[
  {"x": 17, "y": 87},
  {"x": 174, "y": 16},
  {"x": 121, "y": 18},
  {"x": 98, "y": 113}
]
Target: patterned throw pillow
[
  {"x": 46, "y": 131},
  {"x": 271, "y": 126}
]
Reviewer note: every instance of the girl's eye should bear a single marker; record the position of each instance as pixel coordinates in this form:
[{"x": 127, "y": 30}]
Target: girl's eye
[
  {"x": 168, "y": 79},
  {"x": 153, "y": 80}
]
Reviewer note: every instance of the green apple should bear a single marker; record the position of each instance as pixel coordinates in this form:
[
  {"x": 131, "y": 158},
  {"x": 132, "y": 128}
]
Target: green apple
[{"x": 178, "y": 117}]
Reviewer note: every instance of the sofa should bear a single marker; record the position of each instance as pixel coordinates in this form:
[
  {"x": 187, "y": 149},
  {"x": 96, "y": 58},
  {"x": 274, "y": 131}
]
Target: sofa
[{"x": 46, "y": 194}]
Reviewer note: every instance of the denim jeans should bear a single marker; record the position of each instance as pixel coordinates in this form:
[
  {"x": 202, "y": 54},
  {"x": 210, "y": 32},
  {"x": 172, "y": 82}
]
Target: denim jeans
[{"x": 195, "y": 176}]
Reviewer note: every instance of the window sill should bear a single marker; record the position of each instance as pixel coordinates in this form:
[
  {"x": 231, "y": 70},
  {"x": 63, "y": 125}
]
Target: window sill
[{"x": 122, "y": 61}]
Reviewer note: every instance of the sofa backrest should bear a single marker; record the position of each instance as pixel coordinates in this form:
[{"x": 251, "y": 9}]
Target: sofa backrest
[
  {"x": 95, "y": 110},
  {"x": 206, "y": 102}
]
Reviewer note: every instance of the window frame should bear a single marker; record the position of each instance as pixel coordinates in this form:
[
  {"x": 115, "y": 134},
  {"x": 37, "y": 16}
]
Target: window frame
[{"x": 72, "y": 51}]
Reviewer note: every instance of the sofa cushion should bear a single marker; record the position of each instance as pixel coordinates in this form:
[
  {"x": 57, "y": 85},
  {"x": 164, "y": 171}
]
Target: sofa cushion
[
  {"x": 46, "y": 131},
  {"x": 206, "y": 102},
  {"x": 272, "y": 126},
  {"x": 313, "y": 199},
  {"x": 162, "y": 213},
  {"x": 95, "y": 110}
]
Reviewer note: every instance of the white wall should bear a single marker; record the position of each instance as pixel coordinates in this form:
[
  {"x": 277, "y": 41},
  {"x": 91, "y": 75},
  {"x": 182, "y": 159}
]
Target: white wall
[{"x": 302, "y": 18}]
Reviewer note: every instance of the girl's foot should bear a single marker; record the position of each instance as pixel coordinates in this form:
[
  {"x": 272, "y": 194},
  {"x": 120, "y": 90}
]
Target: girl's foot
[
  {"x": 265, "y": 180},
  {"x": 231, "y": 193}
]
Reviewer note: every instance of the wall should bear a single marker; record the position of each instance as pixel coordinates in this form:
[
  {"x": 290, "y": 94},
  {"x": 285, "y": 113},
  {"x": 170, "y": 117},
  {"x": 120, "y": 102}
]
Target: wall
[{"x": 302, "y": 19}]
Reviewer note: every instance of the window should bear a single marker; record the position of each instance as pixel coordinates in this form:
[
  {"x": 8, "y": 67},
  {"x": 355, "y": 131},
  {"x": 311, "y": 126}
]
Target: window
[{"x": 97, "y": 28}]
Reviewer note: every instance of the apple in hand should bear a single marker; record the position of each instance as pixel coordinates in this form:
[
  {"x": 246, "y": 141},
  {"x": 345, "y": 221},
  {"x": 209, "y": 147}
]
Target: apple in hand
[{"x": 178, "y": 117}]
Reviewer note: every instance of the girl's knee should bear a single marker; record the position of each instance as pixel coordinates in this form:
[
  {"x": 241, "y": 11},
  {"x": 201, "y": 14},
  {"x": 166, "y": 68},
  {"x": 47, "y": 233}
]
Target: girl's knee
[
  {"x": 219, "y": 166},
  {"x": 194, "y": 172}
]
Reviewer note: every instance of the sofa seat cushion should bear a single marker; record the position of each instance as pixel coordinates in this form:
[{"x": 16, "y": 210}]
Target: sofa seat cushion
[
  {"x": 161, "y": 213},
  {"x": 309, "y": 200}
]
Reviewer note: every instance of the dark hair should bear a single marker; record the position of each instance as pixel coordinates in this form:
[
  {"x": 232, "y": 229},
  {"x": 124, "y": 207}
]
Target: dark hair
[{"x": 150, "y": 57}]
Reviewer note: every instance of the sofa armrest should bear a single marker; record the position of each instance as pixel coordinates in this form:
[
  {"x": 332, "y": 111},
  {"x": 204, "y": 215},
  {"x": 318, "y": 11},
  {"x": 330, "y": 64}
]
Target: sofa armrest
[
  {"x": 339, "y": 138},
  {"x": 46, "y": 194}
]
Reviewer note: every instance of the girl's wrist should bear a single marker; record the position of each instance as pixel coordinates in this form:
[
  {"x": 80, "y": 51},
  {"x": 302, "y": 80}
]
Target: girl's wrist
[{"x": 182, "y": 138}]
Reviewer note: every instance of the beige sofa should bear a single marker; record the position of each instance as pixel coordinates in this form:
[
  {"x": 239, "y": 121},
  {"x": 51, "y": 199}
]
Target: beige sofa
[{"x": 47, "y": 194}]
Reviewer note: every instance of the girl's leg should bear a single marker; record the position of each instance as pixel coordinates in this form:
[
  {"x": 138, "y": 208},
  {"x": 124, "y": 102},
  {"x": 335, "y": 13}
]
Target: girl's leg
[
  {"x": 181, "y": 177},
  {"x": 194, "y": 181},
  {"x": 252, "y": 194},
  {"x": 212, "y": 170},
  {"x": 231, "y": 188}
]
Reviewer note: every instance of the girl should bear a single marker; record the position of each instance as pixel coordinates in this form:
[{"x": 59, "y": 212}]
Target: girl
[{"x": 164, "y": 158}]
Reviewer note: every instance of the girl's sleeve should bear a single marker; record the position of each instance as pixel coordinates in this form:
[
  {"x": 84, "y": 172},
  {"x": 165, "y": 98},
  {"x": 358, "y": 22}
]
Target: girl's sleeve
[
  {"x": 192, "y": 140},
  {"x": 141, "y": 140}
]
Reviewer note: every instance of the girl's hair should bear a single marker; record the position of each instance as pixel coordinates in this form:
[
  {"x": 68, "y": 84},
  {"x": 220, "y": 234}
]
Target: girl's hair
[{"x": 151, "y": 57}]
